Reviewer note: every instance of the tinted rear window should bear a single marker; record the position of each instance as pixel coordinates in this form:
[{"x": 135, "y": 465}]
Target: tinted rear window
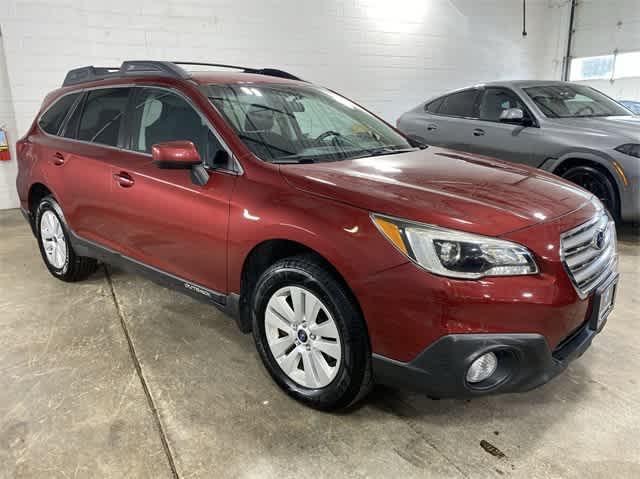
[
  {"x": 103, "y": 114},
  {"x": 459, "y": 104},
  {"x": 54, "y": 116}
]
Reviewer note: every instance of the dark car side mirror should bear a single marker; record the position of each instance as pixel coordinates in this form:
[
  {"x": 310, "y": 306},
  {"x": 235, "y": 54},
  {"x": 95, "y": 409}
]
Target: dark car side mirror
[{"x": 180, "y": 155}]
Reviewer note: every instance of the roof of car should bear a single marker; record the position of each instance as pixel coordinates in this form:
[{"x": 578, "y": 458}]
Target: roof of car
[
  {"x": 524, "y": 83},
  {"x": 227, "y": 77}
]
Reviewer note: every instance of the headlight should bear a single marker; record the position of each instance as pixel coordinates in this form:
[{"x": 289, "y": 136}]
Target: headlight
[
  {"x": 631, "y": 149},
  {"x": 454, "y": 253}
]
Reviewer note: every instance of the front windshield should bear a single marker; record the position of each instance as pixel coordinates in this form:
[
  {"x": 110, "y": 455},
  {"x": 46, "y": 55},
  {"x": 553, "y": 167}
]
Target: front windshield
[
  {"x": 296, "y": 123},
  {"x": 574, "y": 101}
]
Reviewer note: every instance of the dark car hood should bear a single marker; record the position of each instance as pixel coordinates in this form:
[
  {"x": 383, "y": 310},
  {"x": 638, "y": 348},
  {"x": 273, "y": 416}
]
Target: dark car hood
[{"x": 443, "y": 187}]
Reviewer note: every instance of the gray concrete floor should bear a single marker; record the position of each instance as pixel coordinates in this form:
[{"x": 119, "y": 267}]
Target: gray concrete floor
[{"x": 119, "y": 377}]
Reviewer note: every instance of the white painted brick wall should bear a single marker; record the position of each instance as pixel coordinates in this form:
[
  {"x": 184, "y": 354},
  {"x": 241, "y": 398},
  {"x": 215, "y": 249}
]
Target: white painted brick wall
[
  {"x": 8, "y": 169},
  {"x": 387, "y": 54}
]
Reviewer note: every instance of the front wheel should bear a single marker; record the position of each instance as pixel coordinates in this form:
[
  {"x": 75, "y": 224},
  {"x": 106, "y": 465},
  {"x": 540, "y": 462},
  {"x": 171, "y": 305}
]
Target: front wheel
[
  {"x": 597, "y": 182},
  {"x": 311, "y": 337}
]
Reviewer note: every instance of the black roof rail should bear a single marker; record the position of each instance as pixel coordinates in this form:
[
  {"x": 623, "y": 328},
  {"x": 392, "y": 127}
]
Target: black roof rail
[
  {"x": 150, "y": 67},
  {"x": 131, "y": 67},
  {"x": 274, "y": 72}
]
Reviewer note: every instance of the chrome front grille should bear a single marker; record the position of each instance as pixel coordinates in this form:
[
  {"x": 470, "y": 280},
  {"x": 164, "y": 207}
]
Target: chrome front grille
[{"x": 589, "y": 253}]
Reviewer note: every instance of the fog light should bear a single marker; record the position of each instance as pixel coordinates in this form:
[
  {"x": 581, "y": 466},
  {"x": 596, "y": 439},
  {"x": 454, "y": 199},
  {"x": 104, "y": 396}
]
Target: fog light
[{"x": 482, "y": 368}]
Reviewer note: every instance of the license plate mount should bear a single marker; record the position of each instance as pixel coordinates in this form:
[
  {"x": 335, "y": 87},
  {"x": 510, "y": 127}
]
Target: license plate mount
[{"x": 603, "y": 303}]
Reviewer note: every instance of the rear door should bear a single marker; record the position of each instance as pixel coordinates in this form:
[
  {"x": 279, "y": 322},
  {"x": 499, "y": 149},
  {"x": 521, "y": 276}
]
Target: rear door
[
  {"x": 449, "y": 121},
  {"x": 511, "y": 142},
  {"x": 163, "y": 219},
  {"x": 95, "y": 132}
]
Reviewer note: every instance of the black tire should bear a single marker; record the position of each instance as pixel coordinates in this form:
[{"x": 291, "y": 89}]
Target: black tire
[
  {"x": 597, "y": 182},
  {"x": 354, "y": 378},
  {"x": 75, "y": 268}
]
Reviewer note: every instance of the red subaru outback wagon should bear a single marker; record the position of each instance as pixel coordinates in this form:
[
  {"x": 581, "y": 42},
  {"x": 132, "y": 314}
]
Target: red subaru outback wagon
[{"x": 353, "y": 255}]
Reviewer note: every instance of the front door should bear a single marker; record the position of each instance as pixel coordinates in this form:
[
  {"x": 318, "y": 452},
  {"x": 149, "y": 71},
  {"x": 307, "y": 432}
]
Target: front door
[
  {"x": 509, "y": 142},
  {"x": 165, "y": 220}
]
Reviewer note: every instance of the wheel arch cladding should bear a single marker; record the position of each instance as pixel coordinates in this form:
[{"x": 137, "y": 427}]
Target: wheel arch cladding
[
  {"x": 602, "y": 166},
  {"x": 268, "y": 252}
]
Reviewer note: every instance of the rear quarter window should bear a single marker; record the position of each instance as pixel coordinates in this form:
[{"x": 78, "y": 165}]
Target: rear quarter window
[
  {"x": 434, "y": 106},
  {"x": 52, "y": 119}
]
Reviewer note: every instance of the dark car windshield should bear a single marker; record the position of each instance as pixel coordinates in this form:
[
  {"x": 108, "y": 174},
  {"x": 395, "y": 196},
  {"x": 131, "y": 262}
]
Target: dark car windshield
[
  {"x": 574, "y": 101},
  {"x": 294, "y": 123}
]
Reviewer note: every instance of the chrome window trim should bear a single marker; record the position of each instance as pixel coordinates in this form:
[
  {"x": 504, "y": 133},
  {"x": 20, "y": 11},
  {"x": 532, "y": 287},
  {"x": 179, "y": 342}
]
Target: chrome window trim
[{"x": 236, "y": 162}]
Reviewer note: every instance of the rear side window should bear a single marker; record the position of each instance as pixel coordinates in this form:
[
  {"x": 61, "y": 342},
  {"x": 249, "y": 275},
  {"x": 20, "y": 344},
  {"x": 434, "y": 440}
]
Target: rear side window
[
  {"x": 102, "y": 116},
  {"x": 459, "y": 104},
  {"x": 434, "y": 106},
  {"x": 52, "y": 119}
]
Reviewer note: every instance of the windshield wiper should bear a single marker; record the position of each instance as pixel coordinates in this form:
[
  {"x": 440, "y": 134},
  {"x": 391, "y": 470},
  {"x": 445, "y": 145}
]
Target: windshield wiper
[
  {"x": 292, "y": 161},
  {"x": 382, "y": 151}
]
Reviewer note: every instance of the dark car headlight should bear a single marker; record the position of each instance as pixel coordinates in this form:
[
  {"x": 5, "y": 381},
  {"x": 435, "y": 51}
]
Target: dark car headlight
[
  {"x": 455, "y": 253},
  {"x": 631, "y": 149}
]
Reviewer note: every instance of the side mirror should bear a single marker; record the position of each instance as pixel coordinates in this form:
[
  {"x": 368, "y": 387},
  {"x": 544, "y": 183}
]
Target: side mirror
[
  {"x": 512, "y": 115},
  {"x": 180, "y": 155},
  {"x": 175, "y": 155}
]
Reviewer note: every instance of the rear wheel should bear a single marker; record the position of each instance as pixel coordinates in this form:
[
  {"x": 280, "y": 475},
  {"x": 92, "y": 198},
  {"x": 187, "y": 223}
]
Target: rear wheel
[
  {"x": 597, "y": 182},
  {"x": 311, "y": 337},
  {"x": 53, "y": 239}
]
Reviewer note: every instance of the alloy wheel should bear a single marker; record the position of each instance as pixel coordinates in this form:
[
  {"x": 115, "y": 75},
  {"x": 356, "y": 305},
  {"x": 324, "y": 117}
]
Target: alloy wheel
[
  {"x": 53, "y": 240},
  {"x": 303, "y": 337}
]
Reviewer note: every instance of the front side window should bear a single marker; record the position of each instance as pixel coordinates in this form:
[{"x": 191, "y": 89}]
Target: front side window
[
  {"x": 495, "y": 101},
  {"x": 292, "y": 123},
  {"x": 573, "y": 101},
  {"x": 52, "y": 119},
  {"x": 161, "y": 116},
  {"x": 102, "y": 116},
  {"x": 459, "y": 104}
]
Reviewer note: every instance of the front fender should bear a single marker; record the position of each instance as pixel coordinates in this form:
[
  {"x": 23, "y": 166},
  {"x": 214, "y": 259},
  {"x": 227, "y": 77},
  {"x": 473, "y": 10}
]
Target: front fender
[
  {"x": 342, "y": 234},
  {"x": 554, "y": 165}
]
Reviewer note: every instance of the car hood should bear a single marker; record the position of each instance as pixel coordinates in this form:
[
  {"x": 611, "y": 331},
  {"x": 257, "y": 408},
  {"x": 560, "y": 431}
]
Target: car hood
[
  {"x": 443, "y": 187},
  {"x": 617, "y": 126}
]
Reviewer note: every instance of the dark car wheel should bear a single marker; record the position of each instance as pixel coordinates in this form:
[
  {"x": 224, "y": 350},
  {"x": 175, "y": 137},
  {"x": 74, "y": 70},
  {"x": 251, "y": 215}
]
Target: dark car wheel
[
  {"x": 311, "y": 337},
  {"x": 598, "y": 183},
  {"x": 53, "y": 239}
]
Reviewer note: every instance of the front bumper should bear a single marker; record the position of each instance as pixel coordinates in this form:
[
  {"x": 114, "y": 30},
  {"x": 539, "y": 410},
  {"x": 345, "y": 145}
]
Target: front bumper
[{"x": 525, "y": 361}]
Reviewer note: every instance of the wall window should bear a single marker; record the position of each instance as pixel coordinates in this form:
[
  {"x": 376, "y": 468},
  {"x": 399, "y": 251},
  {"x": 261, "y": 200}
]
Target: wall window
[
  {"x": 606, "y": 67},
  {"x": 627, "y": 65},
  {"x": 103, "y": 114},
  {"x": 592, "y": 68},
  {"x": 51, "y": 121}
]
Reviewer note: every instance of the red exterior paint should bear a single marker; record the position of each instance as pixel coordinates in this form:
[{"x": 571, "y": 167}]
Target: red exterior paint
[{"x": 204, "y": 234}]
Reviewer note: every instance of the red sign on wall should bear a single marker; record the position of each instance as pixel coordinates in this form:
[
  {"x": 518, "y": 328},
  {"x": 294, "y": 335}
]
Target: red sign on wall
[{"x": 4, "y": 147}]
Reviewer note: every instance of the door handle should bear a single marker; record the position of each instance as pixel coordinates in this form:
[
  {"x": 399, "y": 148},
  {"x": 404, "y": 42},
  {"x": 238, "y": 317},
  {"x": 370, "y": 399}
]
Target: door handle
[
  {"x": 431, "y": 127},
  {"x": 58, "y": 159},
  {"x": 478, "y": 132},
  {"x": 123, "y": 179}
]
